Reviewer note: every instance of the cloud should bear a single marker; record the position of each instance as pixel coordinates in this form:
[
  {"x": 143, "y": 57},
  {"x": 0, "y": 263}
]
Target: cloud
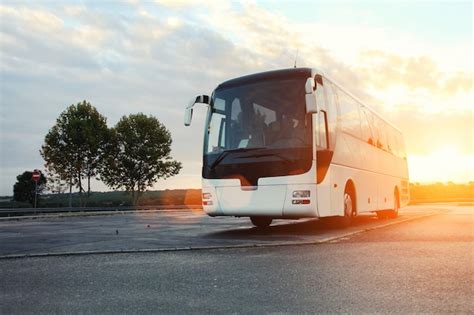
[
  {"x": 33, "y": 20},
  {"x": 153, "y": 57},
  {"x": 384, "y": 69},
  {"x": 151, "y": 65},
  {"x": 426, "y": 132},
  {"x": 74, "y": 10},
  {"x": 177, "y": 3}
]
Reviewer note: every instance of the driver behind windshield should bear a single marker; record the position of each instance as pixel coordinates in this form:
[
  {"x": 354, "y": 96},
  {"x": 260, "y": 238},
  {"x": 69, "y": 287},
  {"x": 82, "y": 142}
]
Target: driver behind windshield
[{"x": 285, "y": 132}]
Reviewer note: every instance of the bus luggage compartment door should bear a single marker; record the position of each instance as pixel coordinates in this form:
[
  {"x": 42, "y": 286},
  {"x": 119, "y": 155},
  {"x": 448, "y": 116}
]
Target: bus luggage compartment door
[{"x": 265, "y": 200}]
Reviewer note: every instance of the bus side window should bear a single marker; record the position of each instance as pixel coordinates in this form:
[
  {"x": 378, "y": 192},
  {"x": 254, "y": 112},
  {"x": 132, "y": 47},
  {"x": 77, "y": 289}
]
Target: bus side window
[
  {"x": 216, "y": 143},
  {"x": 382, "y": 138},
  {"x": 391, "y": 139},
  {"x": 350, "y": 119},
  {"x": 322, "y": 139},
  {"x": 331, "y": 113},
  {"x": 320, "y": 99},
  {"x": 374, "y": 128},
  {"x": 387, "y": 137},
  {"x": 366, "y": 128}
]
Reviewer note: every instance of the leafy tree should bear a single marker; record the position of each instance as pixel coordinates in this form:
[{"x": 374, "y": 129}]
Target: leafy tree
[
  {"x": 74, "y": 147},
  {"x": 139, "y": 155},
  {"x": 25, "y": 187},
  {"x": 55, "y": 183}
]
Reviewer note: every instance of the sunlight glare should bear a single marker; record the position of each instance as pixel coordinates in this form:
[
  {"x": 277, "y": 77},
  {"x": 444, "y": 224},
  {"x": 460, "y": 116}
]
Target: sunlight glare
[{"x": 442, "y": 165}]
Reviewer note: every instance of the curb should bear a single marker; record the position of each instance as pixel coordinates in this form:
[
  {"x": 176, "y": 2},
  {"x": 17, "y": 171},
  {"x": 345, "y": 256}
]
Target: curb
[
  {"x": 93, "y": 214},
  {"x": 218, "y": 247}
]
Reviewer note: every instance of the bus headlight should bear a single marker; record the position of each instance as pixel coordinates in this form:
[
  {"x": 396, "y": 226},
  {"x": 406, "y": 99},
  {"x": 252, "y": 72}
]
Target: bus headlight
[{"x": 301, "y": 194}]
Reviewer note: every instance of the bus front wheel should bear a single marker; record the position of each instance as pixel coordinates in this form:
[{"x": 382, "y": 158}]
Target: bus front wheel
[
  {"x": 261, "y": 222},
  {"x": 349, "y": 210}
]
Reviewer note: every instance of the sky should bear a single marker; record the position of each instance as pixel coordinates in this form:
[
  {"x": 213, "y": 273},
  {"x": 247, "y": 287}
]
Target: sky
[{"x": 411, "y": 61}]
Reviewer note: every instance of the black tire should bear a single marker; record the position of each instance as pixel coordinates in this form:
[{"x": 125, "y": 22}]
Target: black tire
[
  {"x": 392, "y": 214},
  {"x": 382, "y": 214},
  {"x": 261, "y": 222},
  {"x": 349, "y": 211}
]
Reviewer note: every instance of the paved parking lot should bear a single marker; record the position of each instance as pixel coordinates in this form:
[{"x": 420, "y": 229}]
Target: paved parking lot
[
  {"x": 167, "y": 230},
  {"x": 417, "y": 266}
]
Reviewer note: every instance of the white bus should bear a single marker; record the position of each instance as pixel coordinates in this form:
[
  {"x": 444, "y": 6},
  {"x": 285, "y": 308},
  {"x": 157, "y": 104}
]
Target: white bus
[{"x": 292, "y": 144}]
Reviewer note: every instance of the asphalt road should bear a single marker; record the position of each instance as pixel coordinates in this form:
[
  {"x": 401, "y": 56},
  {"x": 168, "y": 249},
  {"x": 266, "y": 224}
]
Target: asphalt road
[
  {"x": 166, "y": 230},
  {"x": 419, "y": 266}
]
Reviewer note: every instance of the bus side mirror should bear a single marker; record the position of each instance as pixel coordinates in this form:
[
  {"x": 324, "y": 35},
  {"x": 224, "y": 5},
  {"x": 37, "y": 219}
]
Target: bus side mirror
[
  {"x": 310, "y": 96},
  {"x": 188, "y": 112}
]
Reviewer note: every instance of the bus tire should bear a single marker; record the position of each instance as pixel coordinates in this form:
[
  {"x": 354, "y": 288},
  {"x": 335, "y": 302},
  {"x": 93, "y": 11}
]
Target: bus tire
[
  {"x": 382, "y": 214},
  {"x": 349, "y": 210},
  {"x": 261, "y": 222},
  {"x": 392, "y": 214}
]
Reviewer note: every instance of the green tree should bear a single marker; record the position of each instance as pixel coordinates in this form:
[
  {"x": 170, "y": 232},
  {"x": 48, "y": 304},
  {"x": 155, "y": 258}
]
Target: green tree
[
  {"x": 25, "y": 187},
  {"x": 75, "y": 146},
  {"x": 139, "y": 155},
  {"x": 55, "y": 184}
]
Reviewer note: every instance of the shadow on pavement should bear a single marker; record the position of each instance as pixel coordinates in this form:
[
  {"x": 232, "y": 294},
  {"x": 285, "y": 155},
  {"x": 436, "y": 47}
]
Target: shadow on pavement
[{"x": 292, "y": 228}]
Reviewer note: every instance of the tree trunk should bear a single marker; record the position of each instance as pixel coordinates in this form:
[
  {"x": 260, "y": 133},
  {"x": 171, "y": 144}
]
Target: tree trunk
[
  {"x": 133, "y": 197},
  {"x": 139, "y": 194},
  {"x": 70, "y": 191},
  {"x": 88, "y": 185},
  {"x": 80, "y": 191}
]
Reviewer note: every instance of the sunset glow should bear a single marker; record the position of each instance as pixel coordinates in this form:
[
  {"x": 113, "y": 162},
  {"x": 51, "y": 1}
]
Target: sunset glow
[{"x": 442, "y": 165}]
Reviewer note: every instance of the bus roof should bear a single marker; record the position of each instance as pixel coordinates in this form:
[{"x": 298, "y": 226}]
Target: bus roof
[{"x": 291, "y": 73}]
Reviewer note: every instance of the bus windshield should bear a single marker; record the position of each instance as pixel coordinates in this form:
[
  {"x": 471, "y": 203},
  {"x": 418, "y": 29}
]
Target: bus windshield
[{"x": 263, "y": 115}]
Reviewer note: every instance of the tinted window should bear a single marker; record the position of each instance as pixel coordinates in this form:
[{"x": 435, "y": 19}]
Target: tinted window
[
  {"x": 366, "y": 125},
  {"x": 381, "y": 133},
  {"x": 350, "y": 119},
  {"x": 268, "y": 114},
  {"x": 216, "y": 130},
  {"x": 331, "y": 112},
  {"x": 391, "y": 139}
]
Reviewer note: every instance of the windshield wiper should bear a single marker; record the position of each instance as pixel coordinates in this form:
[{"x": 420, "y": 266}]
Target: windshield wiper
[
  {"x": 281, "y": 157},
  {"x": 224, "y": 154}
]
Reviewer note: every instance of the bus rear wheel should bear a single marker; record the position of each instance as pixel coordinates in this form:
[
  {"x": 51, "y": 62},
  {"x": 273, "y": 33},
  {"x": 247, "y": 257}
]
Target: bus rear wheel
[
  {"x": 261, "y": 222},
  {"x": 392, "y": 214}
]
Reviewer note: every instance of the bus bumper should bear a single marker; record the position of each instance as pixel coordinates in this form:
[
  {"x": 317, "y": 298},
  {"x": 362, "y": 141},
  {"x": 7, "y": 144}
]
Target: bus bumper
[{"x": 276, "y": 201}]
